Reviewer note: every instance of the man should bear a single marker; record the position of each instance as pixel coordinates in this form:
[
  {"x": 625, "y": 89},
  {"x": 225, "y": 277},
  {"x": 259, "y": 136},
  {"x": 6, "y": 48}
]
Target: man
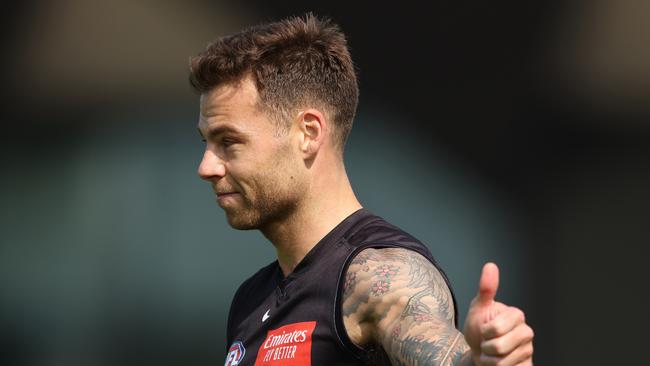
[{"x": 277, "y": 104}]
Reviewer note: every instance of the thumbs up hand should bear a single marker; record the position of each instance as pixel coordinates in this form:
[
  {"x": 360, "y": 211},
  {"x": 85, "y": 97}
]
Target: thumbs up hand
[{"x": 496, "y": 333}]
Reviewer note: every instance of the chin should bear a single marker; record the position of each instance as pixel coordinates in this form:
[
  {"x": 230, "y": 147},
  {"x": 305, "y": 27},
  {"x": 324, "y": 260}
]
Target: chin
[
  {"x": 241, "y": 226},
  {"x": 242, "y": 222},
  {"x": 255, "y": 218}
]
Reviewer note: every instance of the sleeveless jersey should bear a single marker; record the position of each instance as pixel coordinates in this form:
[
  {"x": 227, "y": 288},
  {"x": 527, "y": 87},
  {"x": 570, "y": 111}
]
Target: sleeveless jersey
[{"x": 296, "y": 320}]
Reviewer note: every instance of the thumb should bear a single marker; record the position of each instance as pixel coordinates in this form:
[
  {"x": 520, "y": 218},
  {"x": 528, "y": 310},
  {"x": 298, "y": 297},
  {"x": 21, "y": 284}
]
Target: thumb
[
  {"x": 488, "y": 285},
  {"x": 482, "y": 307}
]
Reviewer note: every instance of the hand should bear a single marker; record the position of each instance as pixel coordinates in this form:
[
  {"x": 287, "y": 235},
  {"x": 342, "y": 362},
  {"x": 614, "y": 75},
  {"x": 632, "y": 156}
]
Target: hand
[{"x": 497, "y": 333}]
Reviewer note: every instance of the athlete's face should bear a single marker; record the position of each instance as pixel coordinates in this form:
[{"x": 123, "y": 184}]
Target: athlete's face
[{"x": 255, "y": 171}]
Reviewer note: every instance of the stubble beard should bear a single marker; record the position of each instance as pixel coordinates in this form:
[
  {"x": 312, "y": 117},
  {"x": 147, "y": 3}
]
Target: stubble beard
[
  {"x": 271, "y": 205},
  {"x": 273, "y": 195}
]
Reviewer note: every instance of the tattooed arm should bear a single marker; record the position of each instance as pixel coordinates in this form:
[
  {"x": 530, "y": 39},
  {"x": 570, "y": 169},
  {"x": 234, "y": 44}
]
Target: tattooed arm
[{"x": 396, "y": 298}]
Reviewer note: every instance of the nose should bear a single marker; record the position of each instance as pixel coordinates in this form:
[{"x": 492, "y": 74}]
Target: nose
[{"x": 211, "y": 166}]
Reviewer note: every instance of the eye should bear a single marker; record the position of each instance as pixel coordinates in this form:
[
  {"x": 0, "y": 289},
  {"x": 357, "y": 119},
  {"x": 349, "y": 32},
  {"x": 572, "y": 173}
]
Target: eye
[{"x": 228, "y": 141}]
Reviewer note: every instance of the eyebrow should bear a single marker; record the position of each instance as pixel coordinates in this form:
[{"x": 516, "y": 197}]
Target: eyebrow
[{"x": 216, "y": 131}]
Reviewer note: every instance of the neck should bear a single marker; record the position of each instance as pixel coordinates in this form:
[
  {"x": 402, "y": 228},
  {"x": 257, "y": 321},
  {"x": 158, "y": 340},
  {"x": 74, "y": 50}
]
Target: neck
[{"x": 328, "y": 202}]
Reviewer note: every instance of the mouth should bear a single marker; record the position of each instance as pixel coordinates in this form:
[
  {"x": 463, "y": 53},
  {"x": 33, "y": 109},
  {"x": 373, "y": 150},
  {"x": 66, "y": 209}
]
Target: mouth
[{"x": 223, "y": 197}]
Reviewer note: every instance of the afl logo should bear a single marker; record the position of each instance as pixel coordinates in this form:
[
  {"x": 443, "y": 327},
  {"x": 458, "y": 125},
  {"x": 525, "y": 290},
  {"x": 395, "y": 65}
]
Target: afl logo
[{"x": 235, "y": 354}]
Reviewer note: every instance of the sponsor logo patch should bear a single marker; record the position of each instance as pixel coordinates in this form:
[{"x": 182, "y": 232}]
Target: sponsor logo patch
[
  {"x": 289, "y": 345},
  {"x": 236, "y": 353}
]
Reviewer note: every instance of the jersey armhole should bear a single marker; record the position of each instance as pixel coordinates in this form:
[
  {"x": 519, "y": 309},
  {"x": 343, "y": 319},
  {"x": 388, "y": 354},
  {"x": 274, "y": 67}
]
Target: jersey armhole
[{"x": 371, "y": 354}]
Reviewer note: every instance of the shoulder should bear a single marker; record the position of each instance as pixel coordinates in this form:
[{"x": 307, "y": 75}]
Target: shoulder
[
  {"x": 391, "y": 270},
  {"x": 375, "y": 229},
  {"x": 382, "y": 285},
  {"x": 379, "y": 234}
]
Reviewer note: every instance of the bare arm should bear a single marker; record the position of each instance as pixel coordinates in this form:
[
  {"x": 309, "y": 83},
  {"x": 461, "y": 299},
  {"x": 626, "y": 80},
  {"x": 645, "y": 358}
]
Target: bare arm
[{"x": 396, "y": 298}]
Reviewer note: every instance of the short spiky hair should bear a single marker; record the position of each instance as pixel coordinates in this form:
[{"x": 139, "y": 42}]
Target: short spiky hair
[{"x": 297, "y": 62}]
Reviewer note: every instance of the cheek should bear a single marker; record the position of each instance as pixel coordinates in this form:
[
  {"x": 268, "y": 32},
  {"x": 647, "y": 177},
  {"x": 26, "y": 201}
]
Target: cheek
[
  {"x": 255, "y": 176},
  {"x": 283, "y": 174},
  {"x": 293, "y": 169},
  {"x": 297, "y": 181},
  {"x": 246, "y": 163},
  {"x": 269, "y": 170}
]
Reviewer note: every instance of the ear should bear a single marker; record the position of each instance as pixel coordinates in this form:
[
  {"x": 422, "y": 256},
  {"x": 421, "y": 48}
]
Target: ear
[{"x": 313, "y": 127}]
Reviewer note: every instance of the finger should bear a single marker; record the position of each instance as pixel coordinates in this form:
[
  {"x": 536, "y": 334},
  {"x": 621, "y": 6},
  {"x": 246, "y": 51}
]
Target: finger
[
  {"x": 506, "y": 320},
  {"x": 489, "y": 283},
  {"x": 507, "y": 343},
  {"x": 521, "y": 355}
]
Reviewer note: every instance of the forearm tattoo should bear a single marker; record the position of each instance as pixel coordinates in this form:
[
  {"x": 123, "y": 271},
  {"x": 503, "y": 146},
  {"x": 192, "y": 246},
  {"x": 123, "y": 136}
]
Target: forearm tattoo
[{"x": 407, "y": 306}]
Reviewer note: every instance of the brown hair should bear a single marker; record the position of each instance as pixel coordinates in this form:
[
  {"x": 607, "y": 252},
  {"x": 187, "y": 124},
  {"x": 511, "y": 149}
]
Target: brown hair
[{"x": 297, "y": 62}]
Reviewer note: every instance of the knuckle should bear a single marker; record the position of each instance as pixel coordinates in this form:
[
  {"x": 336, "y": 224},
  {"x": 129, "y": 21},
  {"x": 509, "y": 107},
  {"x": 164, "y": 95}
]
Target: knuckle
[
  {"x": 499, "y": 346},
  {"x": 530, "y": 350},
  {"x": 497, "y": 327},
  {"x": 519, "y": 314},
  {"x": 527, "y": 352},
  {"x": 529, "y": 333}
]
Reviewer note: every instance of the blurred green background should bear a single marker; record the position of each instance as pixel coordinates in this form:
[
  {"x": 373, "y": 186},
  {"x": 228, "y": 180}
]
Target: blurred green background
[{"x": 508, "y": 132}]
